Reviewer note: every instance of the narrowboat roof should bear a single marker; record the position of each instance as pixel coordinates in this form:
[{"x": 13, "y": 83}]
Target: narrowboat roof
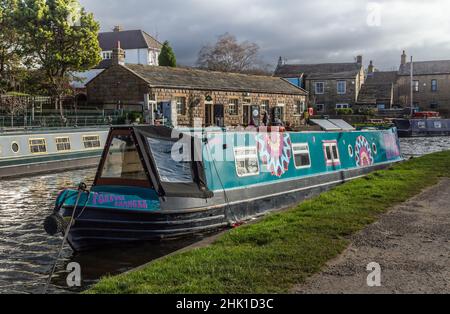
[{"x": 9, "y": 132}]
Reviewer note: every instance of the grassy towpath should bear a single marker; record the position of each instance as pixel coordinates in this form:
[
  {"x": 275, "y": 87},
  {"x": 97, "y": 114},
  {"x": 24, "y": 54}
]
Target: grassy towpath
[{"x": 284, "y": 248}]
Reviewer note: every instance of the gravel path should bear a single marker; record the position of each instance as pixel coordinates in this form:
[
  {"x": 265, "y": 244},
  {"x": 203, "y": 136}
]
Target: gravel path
[{"x": 411, "y": 244}]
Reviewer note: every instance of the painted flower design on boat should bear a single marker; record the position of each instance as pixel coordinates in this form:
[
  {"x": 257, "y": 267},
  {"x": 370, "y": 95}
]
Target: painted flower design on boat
[
  {"x": 275, "y": 151},
  {"x": 363, "y": 152}
]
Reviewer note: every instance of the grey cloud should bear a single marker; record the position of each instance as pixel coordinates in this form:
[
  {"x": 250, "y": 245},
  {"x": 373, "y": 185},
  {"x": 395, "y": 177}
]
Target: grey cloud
[{"x": 301, "y": 31}]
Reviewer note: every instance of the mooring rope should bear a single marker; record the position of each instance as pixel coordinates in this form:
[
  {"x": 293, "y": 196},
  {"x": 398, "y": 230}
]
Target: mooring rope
[
  {"x": 227, "y": 200},
  {"x": 81, "y": 190}
]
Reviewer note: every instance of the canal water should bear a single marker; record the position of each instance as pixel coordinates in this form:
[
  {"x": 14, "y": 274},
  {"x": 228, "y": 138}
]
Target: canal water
[{"x": 27, "y": 252}]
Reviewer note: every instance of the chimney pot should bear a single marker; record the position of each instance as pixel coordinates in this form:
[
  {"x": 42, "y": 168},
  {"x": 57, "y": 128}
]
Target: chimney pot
[
  {"x": 118, "y": 28},
  {"x": 403, "y": 59},
  {"x": 359, "y": 60}
]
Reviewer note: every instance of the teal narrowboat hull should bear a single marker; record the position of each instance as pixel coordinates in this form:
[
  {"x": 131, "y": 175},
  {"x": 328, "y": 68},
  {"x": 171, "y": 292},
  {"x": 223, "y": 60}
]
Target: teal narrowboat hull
[{"x": 241, "y": 175}]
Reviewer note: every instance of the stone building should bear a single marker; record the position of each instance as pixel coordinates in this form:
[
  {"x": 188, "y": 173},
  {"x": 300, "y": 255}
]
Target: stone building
[
  {"x": 185, "y": 95},
  {"x": 331, "y": 86},
  {"x": 378, "y": 90},
  {"x": 431, "y": 81}
]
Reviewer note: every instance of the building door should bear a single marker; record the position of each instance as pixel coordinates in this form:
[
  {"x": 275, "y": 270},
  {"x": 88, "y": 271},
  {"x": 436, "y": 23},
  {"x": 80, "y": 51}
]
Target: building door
[
  {"x": 219, "y": 115},
  {"x": 247, "y": 115},
  {"x": 209, "y": 115}
]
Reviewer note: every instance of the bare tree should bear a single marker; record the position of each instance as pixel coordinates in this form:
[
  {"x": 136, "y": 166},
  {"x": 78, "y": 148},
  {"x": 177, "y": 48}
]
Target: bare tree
[
  {"x": 13, "y": 106},
  {"x": 228, "y": 55}
]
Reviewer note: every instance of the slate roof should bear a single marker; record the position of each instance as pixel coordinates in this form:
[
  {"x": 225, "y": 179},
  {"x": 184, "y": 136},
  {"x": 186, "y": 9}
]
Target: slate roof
[
  {"x": 426, "y": 68},
  {"x": 319, "y": 71},
  {"x": 189, "y": 78},
  {"x": 377, "y": 88},
  {"x": 133, "y": 39}
]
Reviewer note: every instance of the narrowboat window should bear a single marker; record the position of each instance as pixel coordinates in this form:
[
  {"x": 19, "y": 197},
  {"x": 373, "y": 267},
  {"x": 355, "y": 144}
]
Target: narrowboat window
[
  {"x": 302, "y": 157},
  {"x": 438, "y": 125},
  {"x": 15, "y": 147},
  {"x": 374, "y": 148},
  {"x": 62, "y": 144},
  {"x": 37, "y": 146},
  {"x": 91, "y": 141},
  {"x": 123, "y": 161},
  {"x": 331, "y": 153},
  {"x": 169, "y": 169},
  {"x": 246, "y": 160},
  {"x": 422, "y": 125}
]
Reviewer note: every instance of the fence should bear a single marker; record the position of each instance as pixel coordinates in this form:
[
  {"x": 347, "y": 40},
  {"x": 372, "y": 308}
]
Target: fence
[{"x": 31, "y": 111}]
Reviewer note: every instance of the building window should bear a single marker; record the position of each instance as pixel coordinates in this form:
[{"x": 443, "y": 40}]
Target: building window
[
  {"x": 181, "y": 105},
  {"x": 342, "y": 106},
  {"x": 106, "y": 55},
  {"x": 300, "y": 107},
  {"x": 416, "y": 86},
  {"x": 320, "y": 88},
  {"x": 91, "y": 141},
  {"x": 320, "y": 107},
  {"x": 265, "y": 106},
  {"x": 434, "y": 105},
  {"x": 331, "y": 152},
  {"x": 246, "y": 159},
  {"x": 38, "y": 145},
  {"x": 62, "y": 144},
  {"x": 341, "y": 87},
  {"x": 302, "y": 157},
  {"x": 434, "y": 85},
  {"x": 233, "y": 107}
]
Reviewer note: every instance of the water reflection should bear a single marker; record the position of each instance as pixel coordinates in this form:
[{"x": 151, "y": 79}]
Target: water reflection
[{"x": 27, "y": 252}]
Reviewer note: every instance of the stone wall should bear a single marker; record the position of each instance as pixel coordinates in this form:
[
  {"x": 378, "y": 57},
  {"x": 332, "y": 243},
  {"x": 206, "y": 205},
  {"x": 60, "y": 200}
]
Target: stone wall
[
  {"x": 425, "y": 97},
  {"x": 117, "y": 86},
  {"x": 330, "y": 97}
]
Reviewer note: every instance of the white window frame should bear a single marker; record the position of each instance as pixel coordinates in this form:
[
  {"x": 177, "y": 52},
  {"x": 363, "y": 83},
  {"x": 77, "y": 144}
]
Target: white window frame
[
  {"x": 181, "y": 101},
  {"x": 91, "y": 141},
  {"x": 300, "y": 107},
  {"x": 64, "y": 143},
  {"x": 106, "y": 55},
  {"x": 265, "y": 105},
  {"x": 233, "y": 107},
  {"x": 416, "y": 86},
  {"x": 339, "y": 91},
  {"x": 343, "y": 106},
  {"x": 320, "y": 105},
  {"x": 44, "y": 141},
  {"x": 335, "y": 160},
  {"x": 434, "y": 85},
  {"x": 297, "y": 149},
  {"x": 316, "y": 84},
  {"x": 244, "y": 156}
]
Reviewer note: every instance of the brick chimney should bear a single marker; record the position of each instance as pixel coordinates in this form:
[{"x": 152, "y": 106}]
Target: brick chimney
[
  {"x": 118, "y": 55},
  {"x": 359, "y": 60},
  {"x": 403, "y": 60},
  {"x": 117, "y": 28}
]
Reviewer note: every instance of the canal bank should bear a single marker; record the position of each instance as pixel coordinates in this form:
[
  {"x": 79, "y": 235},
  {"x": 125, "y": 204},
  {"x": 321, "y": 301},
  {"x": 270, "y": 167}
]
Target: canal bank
[{"x": 286, "y": 248}]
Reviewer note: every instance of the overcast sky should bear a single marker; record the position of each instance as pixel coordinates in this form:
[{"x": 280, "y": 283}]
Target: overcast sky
[{"x": 301, "y": 31}]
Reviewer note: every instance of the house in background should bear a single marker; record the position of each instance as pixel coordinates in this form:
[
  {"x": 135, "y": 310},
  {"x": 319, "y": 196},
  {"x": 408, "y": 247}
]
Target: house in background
[
  {"x": 139, "y": 48},
  {"x": 331, "y": 86},
  {"x": 186, "y": 95},
  {"x": 431, "y": 85},
  {"x": 378, "y": 90}
]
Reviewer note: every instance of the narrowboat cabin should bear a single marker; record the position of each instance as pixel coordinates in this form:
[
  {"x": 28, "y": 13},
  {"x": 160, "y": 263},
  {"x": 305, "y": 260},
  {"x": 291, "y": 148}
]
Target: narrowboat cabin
[
  {"x": 423, "y": 127},
  {"x": 33, "y": 152},
  {"x": 155, "y": 182}
]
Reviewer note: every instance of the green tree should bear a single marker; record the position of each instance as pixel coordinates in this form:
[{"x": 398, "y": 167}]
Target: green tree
[
  {"x": 167, "y": 56},
  {"x": 61, "y": 37},
  {"x": 10, "y": 48}
]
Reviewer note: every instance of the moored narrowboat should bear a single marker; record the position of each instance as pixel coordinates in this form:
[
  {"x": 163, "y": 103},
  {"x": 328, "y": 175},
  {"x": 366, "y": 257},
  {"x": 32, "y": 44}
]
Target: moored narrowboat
[
  {"x": 41, "y": 151},
  {"x": 155, "y": 182},
  {"x": 422, "y": 127}
]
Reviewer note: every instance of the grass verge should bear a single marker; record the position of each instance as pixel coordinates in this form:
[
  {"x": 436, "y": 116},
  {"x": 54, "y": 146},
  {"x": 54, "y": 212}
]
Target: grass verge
[{"x": 284, "y": 248}]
